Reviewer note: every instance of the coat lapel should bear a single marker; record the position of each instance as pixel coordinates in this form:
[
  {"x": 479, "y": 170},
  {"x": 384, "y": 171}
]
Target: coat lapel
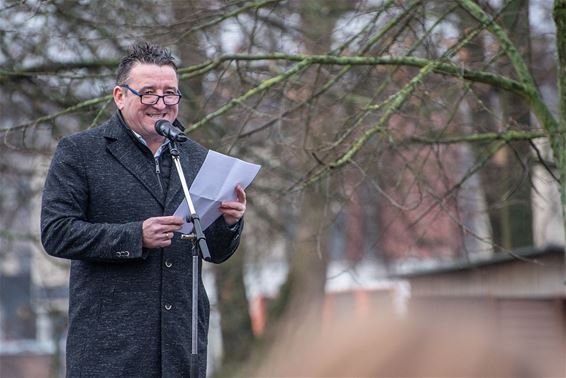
[{"x": 122, "y": 147}]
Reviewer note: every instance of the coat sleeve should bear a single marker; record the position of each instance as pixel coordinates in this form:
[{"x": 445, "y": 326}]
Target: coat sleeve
[
  {"x": 223, "y": 240},
  {"x": 65, "y": 229}
]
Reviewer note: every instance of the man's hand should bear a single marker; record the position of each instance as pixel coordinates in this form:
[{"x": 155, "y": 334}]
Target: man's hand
[
  {"x": 234, "y": 210},
  {"x": 158, "y": 231}
]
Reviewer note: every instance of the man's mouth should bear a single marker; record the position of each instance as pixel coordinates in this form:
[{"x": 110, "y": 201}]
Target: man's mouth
[{"x": 157, "y": 116}]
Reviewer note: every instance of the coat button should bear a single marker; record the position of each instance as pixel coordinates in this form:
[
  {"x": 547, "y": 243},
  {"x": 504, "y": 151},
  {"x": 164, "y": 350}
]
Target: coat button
[
  {"x": 168, "y": 307},
  {"x": 168, "y": 264}
]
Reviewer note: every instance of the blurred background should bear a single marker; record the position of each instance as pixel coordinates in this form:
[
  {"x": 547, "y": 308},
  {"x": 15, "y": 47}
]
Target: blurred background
[{"x": 409, "y": 199}]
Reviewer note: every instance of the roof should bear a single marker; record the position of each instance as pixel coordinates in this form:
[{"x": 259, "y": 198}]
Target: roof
[{"x": 527, "y": 254}]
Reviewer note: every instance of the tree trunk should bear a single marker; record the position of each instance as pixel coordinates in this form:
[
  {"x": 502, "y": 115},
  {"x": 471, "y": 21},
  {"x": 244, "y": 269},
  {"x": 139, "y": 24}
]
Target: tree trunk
[
  {"x": 308, "y": 264},
  {"x": 515, "y": 232},
  {"x": 303, "y": 293},
  {"x": 235, "y": 323},
  {"x": 191, "y": 53},
  {"x": 237, "y": 336},
  {"x": 475, "y": 195},
  {"x": 559, "y": 142}
]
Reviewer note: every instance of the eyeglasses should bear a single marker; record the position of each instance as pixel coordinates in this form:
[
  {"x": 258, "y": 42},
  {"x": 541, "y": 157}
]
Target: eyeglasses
[{"x": 152, "y": 99}]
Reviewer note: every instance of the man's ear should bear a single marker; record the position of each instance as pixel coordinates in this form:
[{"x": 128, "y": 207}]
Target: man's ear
[{"x": 118, "y": 94}]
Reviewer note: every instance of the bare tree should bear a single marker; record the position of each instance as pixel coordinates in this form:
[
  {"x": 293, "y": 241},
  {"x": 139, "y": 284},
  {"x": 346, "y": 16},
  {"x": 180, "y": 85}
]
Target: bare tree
[{"x": 411, "y": 122}]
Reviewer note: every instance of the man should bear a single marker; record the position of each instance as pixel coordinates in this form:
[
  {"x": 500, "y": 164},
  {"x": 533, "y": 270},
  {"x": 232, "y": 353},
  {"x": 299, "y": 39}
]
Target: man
[{"x": 106, "y": 206}]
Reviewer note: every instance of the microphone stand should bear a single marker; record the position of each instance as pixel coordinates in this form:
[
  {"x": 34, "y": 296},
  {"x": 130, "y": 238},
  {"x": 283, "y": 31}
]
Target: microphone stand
[{"x": 198, "y": 245}]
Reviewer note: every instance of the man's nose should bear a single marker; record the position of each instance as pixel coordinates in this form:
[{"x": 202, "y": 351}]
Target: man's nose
[{"x": 160, "y": 104}]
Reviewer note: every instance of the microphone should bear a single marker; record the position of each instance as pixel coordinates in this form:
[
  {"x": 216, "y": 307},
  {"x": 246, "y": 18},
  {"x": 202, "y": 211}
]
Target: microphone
[{"x": 174, "y": 134}]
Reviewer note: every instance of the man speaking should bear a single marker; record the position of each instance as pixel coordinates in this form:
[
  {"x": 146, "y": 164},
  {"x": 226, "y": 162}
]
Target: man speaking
[{"x": 106, "y": 206}]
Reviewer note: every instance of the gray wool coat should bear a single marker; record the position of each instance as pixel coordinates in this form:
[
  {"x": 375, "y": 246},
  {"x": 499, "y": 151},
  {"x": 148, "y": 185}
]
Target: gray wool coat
[{"x": 129, "y": 306}]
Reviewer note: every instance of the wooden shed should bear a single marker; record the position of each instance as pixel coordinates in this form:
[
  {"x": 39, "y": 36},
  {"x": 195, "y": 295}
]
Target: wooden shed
[{"x": 522, "y": 294}]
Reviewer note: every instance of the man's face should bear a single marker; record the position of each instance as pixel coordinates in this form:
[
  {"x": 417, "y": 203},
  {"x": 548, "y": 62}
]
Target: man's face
[{"x": 147, "y": 79}]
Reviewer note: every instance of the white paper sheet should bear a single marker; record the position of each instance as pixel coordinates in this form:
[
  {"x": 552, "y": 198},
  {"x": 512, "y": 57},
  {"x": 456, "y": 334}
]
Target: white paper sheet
[{"x": 215, "y": 182}]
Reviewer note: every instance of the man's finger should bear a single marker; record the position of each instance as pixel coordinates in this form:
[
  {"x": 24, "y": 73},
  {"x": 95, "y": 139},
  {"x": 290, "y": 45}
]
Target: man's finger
[
  {"x": 233, "y": 206},
  {"x": 241, "y": 194},
  {"x": 171, "y": 219}
]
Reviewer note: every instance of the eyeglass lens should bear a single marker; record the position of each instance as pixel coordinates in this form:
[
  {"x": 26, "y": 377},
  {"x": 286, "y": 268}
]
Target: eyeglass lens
[{"x": 151, "y": 99}]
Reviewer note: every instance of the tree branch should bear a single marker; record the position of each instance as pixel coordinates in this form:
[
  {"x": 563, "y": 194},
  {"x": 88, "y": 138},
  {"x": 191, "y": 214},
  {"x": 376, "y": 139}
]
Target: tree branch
[
  {"x": 54, "y": 68},
  {"x": 266, "y": 84},
  {"x": 394, "y": 103},
  {"x": 448, "y": 69},
  {"x": 51, "y": 117},
  {"x": 531, "y": 93},
  {"x": 508, "y": 136},
  {"x": 251, "y": 6}
]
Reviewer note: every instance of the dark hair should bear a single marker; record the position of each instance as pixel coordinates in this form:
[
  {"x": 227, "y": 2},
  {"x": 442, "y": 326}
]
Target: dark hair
[{"x": 143, "y": 52}]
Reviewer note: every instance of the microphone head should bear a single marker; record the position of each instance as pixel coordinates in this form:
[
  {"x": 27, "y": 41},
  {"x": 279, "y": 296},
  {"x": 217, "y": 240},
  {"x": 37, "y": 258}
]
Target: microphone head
[
  {"x": 166, "y": 129},
  {"x": 161, "y": 125}
]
